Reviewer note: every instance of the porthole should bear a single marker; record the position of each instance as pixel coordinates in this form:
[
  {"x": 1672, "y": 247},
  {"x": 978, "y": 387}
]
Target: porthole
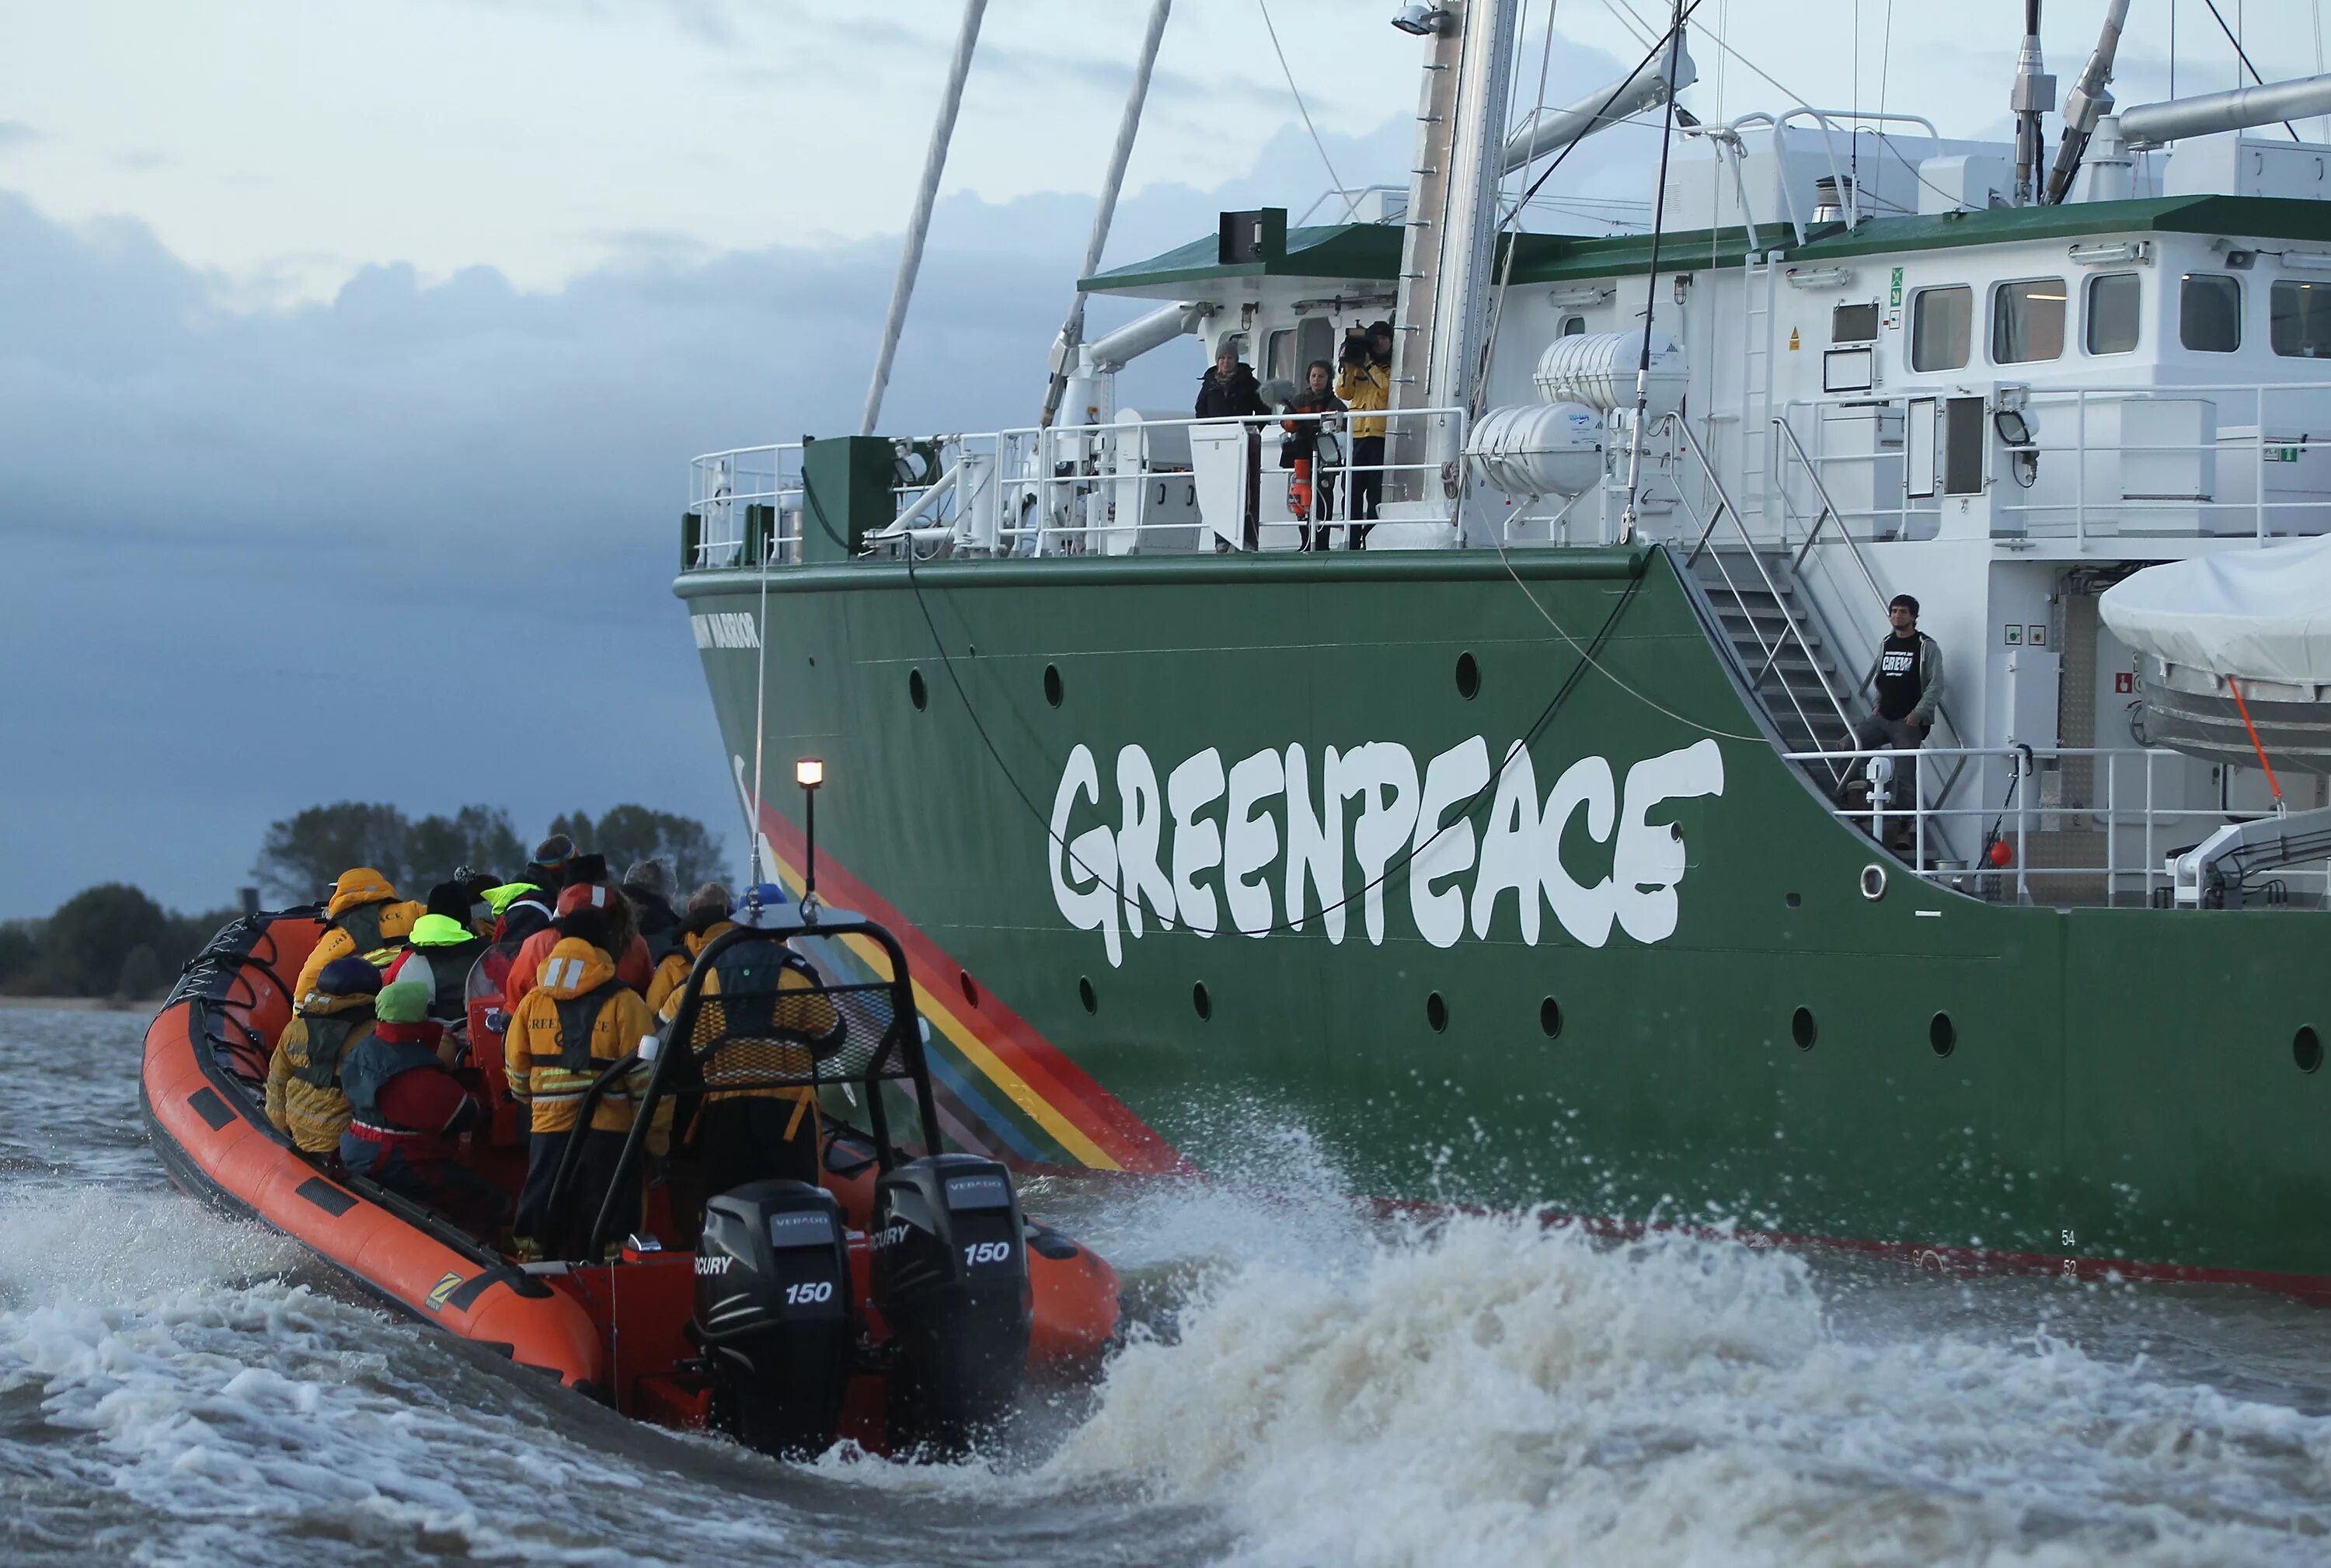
[
  {"x": 1436, "y": 1013},
  {"x": 1200, "y": 1001},
  {"x": 1793, "y": 901},
  {"x": 1943, "y": 1034},
  {"x": 917, "y": 692},
  {"x": 1803, "y": 1029},
  {"x": 1549, "y": 1017},
  {"x": 1873, "y": 882},
  {"x": 970, "y": 988},
  {"x": 1053, "y": 684},
  {"x": 2307, "y": 1049},
  {"x": 1469, "y": 677},
  {"x": 1085, "y": 993}
]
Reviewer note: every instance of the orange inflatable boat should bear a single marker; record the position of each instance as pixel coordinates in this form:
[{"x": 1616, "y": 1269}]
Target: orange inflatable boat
[{"x": 900, "y": 1301}]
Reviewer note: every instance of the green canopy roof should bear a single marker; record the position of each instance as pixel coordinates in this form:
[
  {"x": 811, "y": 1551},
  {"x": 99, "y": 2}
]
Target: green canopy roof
[{"x": 1370, "y": 252}]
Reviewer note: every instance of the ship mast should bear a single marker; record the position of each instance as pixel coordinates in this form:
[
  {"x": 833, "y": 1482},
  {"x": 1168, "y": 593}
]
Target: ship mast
[{"x": 1444, "y": 298}]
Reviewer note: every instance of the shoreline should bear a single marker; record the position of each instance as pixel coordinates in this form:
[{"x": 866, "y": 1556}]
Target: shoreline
[{"x": 73, "y": 1004}]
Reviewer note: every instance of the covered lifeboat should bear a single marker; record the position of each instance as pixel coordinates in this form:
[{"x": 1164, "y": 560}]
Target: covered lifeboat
[{"x": 900, "y": 1301}]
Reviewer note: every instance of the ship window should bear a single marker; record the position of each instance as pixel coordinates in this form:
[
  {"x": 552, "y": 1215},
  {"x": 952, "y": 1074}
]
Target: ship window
[
  {"x": 2027, "y": 321},
  {"x": 1278, "y": 355},
  {"x": 1853, "y": 324},
  {"x": 2300, "y": 318},
  {"x": 1315, "y": 338},
  {"x": 2210, "y": 312},
  {"x": 1941, "y": 320},
  {"x": 1572, "y": 326},
  {"x": 2114, "y": 302}
]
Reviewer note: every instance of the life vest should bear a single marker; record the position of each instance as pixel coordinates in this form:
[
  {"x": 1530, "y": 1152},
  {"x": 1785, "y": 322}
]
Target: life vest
[
  {"x": 449, "y": 976},
  {"x": 328, "y": 1036},
  {"x": 362, "y": 925},
  {"x": 577, "y": 1017},
  {"x": 370, "y": 1066}
]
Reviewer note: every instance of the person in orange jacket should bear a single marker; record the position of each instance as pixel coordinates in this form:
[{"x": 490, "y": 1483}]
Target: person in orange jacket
[
  {"x": 364, "y": 919},
  {"x": 571, "y": 1027},
  {"x": 632, "y": 964}
]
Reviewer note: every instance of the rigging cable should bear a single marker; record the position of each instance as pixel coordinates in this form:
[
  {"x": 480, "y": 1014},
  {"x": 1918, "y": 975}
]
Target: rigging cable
[
  {"x": 1651, "y": 283},
  {"x": 1350, "y": 205},
  {"x": 2242, "y": 54}
]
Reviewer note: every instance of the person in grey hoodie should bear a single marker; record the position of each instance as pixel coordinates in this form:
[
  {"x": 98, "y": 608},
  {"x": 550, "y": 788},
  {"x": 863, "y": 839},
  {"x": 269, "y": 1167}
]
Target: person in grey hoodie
[{"x": 1906, "y": 683}]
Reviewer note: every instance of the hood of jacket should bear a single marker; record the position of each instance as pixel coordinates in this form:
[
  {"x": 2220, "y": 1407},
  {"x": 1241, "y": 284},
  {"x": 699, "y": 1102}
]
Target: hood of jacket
[
  {"x": 358, "y": 885},
  {"x": 324, "y": 1004},
  {"x": 696, "y": 941},
  {"x": 574, "y": 967}
]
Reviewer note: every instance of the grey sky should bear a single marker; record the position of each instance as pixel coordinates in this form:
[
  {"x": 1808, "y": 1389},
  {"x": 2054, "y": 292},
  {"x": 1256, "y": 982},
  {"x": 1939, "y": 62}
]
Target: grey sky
[{"x": 351, "y": 355}]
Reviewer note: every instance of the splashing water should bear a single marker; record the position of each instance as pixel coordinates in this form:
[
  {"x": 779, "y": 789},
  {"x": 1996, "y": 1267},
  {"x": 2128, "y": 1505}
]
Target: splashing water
[{"x": 1311, "y": 1385}]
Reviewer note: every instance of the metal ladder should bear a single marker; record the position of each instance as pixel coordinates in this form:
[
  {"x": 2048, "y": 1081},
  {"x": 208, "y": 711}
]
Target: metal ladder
[{"x": 1749, "y": 593}]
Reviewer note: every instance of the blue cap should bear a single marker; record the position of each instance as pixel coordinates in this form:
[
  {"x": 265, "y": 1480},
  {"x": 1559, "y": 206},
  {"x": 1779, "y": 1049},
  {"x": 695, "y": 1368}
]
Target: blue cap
[
  {"x": 766, "y": 893},
  {"x": 349, "y": 976}
]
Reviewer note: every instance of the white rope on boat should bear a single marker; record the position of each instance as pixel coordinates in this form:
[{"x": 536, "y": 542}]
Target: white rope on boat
[
  {"x": 910, "y": 260},
  {"x": 1072, "y": 330}
]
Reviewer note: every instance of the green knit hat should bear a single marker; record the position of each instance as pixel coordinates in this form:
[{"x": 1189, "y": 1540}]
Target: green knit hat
[{"x": 406, "y": 1002}]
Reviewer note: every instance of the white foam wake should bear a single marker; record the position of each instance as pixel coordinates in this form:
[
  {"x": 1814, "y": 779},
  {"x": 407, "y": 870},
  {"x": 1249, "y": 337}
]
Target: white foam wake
[{"x": 1485, "y": 1391}]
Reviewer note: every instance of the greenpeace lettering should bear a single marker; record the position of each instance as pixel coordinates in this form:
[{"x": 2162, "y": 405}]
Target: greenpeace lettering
[{"x": 1200, "y": 853}]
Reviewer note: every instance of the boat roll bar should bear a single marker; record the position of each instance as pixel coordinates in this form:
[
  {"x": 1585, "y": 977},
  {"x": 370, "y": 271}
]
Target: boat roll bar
[{"x": 897, "y": 1054}]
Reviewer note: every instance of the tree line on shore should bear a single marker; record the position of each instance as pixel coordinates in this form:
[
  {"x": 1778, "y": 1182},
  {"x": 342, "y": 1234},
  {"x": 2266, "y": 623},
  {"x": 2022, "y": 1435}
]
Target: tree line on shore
[{"x": 114, "y": 940}]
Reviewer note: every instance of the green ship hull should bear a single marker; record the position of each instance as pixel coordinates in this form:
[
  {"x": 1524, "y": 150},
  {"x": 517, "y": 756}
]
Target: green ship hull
[{"x": 1636, "y": 977}]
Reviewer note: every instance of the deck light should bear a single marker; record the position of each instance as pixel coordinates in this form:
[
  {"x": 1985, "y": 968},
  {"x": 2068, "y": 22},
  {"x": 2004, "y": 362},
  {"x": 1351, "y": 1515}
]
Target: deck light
[
  {"x": 1818, "y": 277},
  {"x": 1422, "y": 21},
  {"x": 1579, "y": 298},
  {"x": 2306, "y": 261},
  {"x": 809, "y": 773},
  {"x": 2115, "y": 254}
]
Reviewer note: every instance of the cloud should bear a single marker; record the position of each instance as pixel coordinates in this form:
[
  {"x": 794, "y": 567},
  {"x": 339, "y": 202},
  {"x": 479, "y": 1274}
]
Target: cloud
[
  {"x": 15, "y": 133},
  {"x": 416, "y": 542}
]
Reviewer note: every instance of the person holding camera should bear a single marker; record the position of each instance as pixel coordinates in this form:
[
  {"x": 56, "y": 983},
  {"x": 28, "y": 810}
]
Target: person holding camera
[{"x": 1364, "y": 382}]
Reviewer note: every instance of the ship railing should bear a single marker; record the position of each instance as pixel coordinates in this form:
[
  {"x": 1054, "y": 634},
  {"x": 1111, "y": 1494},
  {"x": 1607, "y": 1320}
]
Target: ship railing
[
  {"x": 2088, "y": 465},
  {"x": 741, "y": 504},
  {"x": 1140, "y": 485},
  {"x": 2180, "y": 462},
  {"x": 2106, "y": 848}
]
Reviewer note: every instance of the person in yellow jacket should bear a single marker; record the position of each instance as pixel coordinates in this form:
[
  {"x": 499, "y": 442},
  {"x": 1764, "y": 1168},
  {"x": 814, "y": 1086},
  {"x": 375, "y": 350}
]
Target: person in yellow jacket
[
  {"x": 577, "y": 1022},
  {"x": 303, "y": 1077},
  {"x": 705, "y": 917},
  {"x": 1364, "y": 382},
  {"x": 365, "y": 919},
  {"x": 752, "y": 1122}
]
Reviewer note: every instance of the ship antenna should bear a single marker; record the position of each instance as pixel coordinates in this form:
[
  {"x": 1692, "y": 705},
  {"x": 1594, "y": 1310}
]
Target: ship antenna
[{"x": 1651, "y": 285}]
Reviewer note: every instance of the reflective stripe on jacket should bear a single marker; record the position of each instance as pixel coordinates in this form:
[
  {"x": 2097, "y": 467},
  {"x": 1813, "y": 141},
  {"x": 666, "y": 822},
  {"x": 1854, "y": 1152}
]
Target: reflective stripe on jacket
[{"x": 551, "y": 1073}]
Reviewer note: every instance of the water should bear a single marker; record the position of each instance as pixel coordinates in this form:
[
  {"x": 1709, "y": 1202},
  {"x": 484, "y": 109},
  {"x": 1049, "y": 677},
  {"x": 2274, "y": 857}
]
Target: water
[{"x": 1324, "y": 1388}]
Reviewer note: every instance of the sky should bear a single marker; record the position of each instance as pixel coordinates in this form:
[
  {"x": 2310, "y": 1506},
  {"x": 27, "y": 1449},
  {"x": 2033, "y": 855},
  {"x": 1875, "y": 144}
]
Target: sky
[{"x": 351, "y": 355}]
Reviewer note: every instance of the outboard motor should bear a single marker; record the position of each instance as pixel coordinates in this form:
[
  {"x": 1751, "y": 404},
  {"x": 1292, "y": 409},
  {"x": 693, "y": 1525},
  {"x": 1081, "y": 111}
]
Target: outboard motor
[
  {"x": 773, "y": 1305},
  {"x": 951, "y": 1280}
]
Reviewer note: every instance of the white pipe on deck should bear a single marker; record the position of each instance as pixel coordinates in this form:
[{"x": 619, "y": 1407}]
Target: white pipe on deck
[
  {"x": 2150, "y": 125},
  {"x": 1601, "y": 109}
]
